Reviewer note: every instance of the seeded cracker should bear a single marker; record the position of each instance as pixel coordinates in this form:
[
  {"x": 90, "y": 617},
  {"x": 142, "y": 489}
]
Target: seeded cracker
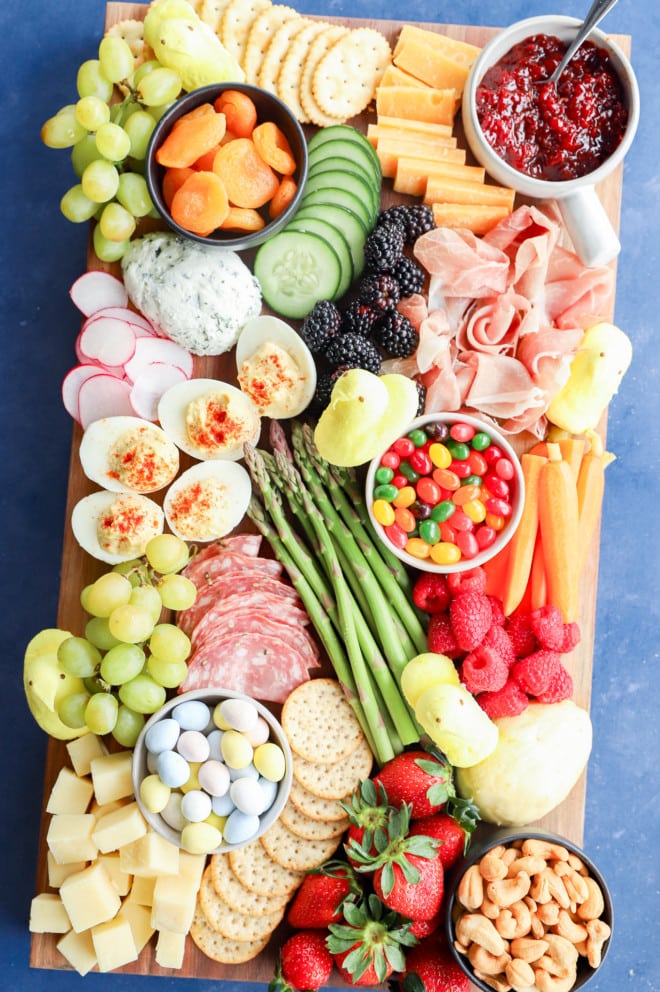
[
  {"x": 230, "y": 889},
  {"x": 309, "y": 829},
  {"x": 317, "y": 50},
  {"x": 276, "y": 51},
  {"x": 336, "y": 780},
  {"x": 319, "y": 722},
  {"x": 257, "y": 871},
  {"x": 237, "y": 20},
  {"x": 229, "y": 922},
  {"x": 261, "y": 35},
  {"x": 288, "y": 80},
  {"x": 326, "y": 810},
  {"x": 222, "y": 949},
  {"x": 346, "y": 78},
  {"x": 296, "y": 853},
  {"x": 212, "y": 12}
]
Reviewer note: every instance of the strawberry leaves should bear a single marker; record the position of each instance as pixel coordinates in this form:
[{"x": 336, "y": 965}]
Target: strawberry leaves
[{"x": 370, "y": 941}]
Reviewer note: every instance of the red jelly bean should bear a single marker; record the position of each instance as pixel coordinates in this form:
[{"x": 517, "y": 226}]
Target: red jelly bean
[
  {"x": 429, "y": 491},
  {"x": 504, "y": 468},
  {"x": 399, "y": 481},
  {"x": 485, "y": 536},
  {"x": 390, "y": 460},
  {"x": 461, "y": 468},
  {"x": 493, "y": 453},
  {"x": 447, "y": 532},
  {"x": 460, "y": 521},
  {"x": 499, "y": 507},
  {"x": 420, "y": 461},
  {"x": 462, "y": 432},
  {"x": 403, "y": 447},
  {"x": 467, "y": 542},
  {"x": 496, "y": 485},
  {"x": 396, "y": 535}
]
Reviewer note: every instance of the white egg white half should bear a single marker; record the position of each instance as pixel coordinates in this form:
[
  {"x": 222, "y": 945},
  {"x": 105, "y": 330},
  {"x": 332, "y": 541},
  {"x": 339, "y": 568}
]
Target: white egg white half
[
  {"x": 85, "y": 518},
  {"x": 100, "y": 438},
  {"x": 267, "y": 328},
  {"x": 172, "y": 415},
  {"x": 238, "y": 486}
]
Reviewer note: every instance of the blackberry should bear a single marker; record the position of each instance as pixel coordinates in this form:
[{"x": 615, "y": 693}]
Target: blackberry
[
  {"x": 354, "y": 351},
  {"x": 421, "y": 392},
  {"x": 384, "y": 247},
  {"x": 358, "y": 318},
  {"x": 415, "y": 219},
  {"x": 409, "y": 275},
  {"x": 324, "y": 385},
  {"x": 381, "y": 290},
  {"x": 320, "y": 326},
  {"x": 396, "y": 335}
]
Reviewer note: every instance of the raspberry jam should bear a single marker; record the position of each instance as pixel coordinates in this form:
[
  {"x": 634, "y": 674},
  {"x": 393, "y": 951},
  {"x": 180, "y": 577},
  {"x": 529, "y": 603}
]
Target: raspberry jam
[{"x": 546, "y": 131}]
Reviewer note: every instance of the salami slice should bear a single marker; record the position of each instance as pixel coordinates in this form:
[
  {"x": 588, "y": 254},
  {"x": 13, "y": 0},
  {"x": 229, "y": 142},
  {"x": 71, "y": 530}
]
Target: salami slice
[
  {"x": 229, "y": 609},
  {"x": 239, "y": 582},
  {"x": 206, "y": 571},
  {"x": 250, "y": 620}
]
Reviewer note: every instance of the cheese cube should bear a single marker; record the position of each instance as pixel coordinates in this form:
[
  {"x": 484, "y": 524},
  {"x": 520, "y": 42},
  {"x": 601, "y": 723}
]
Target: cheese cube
[
  {"x": 48, "y": 915},
  {"x": 192, "y": 866},
  {"x": 89, "y": 897},
  {"x": 82, "y": 750},
  {"x": 174, "y": 903},
  {"x": 150, "y": 855},
  {"x": 101, "y": 810},
  {"x": 119, "y": 878},
  {"x": 119, "y": 828},
  {"x": 170, "y": 949},
  {"x": 69, "y": 837},
  {"x": 139, "y": 918},
  {"x": 111, "y": 775},
  {"x": 70, "y": 794},
  {"x": 78, "y": 950},
  {"x": 142, "y": 891},
  {"x": 57, "y": 873},
  {"x": 113, "y": 943}
]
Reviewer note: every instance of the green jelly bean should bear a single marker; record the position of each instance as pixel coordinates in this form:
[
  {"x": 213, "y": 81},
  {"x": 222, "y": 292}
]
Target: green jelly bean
[
  {"x": 406, "y": 469},
  {"x": 386, "y": 492},
  {"x": 459, "y": 450},
  {"x": 481, "y": 441},
  {"x": 383, "y": 474},
  {"x": 442, "y": 511},
  {"x": 472, "y": 480},
  {"x": 418, "y": 437},
  {"x": 429, "y": 531}
]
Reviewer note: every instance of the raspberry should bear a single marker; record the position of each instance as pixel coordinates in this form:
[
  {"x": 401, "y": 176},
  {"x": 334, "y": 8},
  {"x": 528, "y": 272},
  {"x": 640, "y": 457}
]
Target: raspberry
[
  {"x": 534, "y": 673},
  {"x": 472, "y": 580},
  {"x": 510, "y": 700},
  {"x": 431, "y": 593},
  {"x": 484, "y": 670},
  {"x": 519, "y": 630},
  {"x": 498, "y": 639},
  {"x": 499, "y": 617},
  {"x": 572, "y": 637},
  {"x": 548, "y": 626},
  {"x": 441, "y": 638},
  {"x": 471, "y": 616},
  {"x": 560, "y": 688}
]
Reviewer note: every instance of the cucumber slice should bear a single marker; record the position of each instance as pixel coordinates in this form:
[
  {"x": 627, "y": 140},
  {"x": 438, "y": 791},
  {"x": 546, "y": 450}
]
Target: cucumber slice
[
  {"x": 353, "y": 151},
  {"x": 335, "y": 239},
  {"x": 350, "y": 225},
  {"x": 343, "y": 198},
  {"x": 336, "y": 162},
  {"x": 344, "y": 132},
  {"x": 335, "y": 179},
  {"x": 295, "y": 270}
]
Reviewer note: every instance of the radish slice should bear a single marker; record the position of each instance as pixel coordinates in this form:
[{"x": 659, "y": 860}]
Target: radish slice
[
  {"x": 71, "y": 384},
  {"x": 117, "y": 370},
  {"x": 103, "y": 396},
  {"x": 95, "y": 290},
  {"x": 136, "y": 320},
  {"x": 107, "y": 340},
  {"x": 152, "y": 382},
  {"x": 160, "y": 350}
]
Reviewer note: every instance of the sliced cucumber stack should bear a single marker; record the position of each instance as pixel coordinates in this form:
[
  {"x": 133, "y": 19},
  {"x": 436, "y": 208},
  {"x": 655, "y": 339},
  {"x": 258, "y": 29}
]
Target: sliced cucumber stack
[{"x": 321, "y": 250}]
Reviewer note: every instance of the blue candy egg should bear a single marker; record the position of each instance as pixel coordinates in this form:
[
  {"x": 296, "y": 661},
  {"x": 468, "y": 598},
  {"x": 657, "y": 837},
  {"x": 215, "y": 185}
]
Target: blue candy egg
[
  {"x": 192, "y": 715},
  {"x": 162, "y": 736},
  {"x": 222, "y": 805},
  {"x": 215, "y": 742},
  {"x": 240, "y": 827},
  {"x": 269, "y": 789},
  {"x": 172, "y": 769}
]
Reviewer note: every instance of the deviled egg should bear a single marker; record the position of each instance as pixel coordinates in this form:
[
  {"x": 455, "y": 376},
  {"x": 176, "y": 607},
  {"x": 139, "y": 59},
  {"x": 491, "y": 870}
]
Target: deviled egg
[
  {"x": 209, "y": 419},
  {"x": 208, "y": 500},
  {"x": 116, "y": 527},
  {"x": 275, "y": 367},
  {"x": 128, "y": 454}
]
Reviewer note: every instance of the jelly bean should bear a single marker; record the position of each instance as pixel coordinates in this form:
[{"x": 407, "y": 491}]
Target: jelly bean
[
  {"x": 213, "y": 776},
  {"x": 500, "y": 507},
  {"x": 478, "y": 463},
  {"x": 383, "y": 474},
  {"x": 437, "y": 430},
  {"x": 445, "y": 553},
  {"x": 485, "y": 536},
  {"x": 460, "y": 521},
  {"x": 403, "y": 447},
  {"x": 497, "y": 523},
  {"x": 193, "y": 745},
  {"x": 418, "y": 548},
  {"x": 446, "y": 478},
  {"x": 440, "y": 455},
  {"x": 236, "y": 749},
  {"x": 173, "y": 770},
  {"x": 429, "y": 531},
  {"x": 465, "y": 494},
  {"x": 200, "y": 838},
  {"x": 196, "y": 805},
  {"x": 154, "y": 793},
  {"x": 405, "y": 519},
  {"x": 504, "y": 468},
  {"x": 471, "y": 480},
  {"x": 418, "y": 437},
  {"x": 475, "y": 510},
  {"x": 390, "y": 460},
  {"x": 460, "y": 468},
  {"x": 443, "y": 511},
  {"x": 192, "y": 715},
  {"x": 383, "y": 512},
  {"x": 459, "y": 450},
  {"x": 496, "y": 486},
  {"x": 270, "y": 762},
  {"x": 247, "y": 796},
  {"x": 493, "y": 453},
  {"x": 467, "y": 542},
  {"x": 421, "y": 509},
  {"x": 462, "y": 432},
  {"x": 481, "y": 441},
  {"x": 240, "y": 827},
  {"x": 428, "y": 490},
  {"x": 387, "y": 492},
  {"x": 447, "y": 533},
  {"x": 406, "y": 469},
  {"x": 420, "y": 461},
  {"x": 162, "y": 736},
  {"x": 171, "y": 812},
  {"x": 397, "y": 536},
  {"x": 406, "y": 496},
  {"x": 399, "y": 481}
]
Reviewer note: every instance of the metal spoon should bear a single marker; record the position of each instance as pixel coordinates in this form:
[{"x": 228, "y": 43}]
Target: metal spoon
[{"x": 596, "y": 13}]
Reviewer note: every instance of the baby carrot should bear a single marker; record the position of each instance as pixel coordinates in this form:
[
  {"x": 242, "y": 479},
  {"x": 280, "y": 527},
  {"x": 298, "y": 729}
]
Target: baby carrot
[
  {"x": 521, "y": 546},
  {"x": 572, "y": 449},
  {"x": 590, "y": 489},
  {"x": 495, "y": 570},
  {"x": 558, "y": 521},
  {"x": 538, "y": 587}
]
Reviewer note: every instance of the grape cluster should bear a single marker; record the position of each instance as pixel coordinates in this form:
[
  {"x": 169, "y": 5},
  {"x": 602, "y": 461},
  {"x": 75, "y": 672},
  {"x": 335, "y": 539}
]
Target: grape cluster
[
  {"x": 109, "y": 140},
  {"x": 127, "y": 658}
]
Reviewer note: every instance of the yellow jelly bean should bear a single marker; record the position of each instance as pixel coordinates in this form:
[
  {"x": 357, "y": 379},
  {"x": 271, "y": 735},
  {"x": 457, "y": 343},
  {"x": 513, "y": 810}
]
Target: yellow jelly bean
[
  {"x": 475, "y": 510},
  {"x": 154, "y": 793},
  {"x": 418, "y": 548},
  {"x": 445, "y": 553},
  {"x": 406, "y": 497},
  {"x": 383, "y": 512},
  {"x": 236, "y": 749},
  {"x": 269, "y": 761},
  {"x": 440, "y": 455},
  {"x": 193, "y": 780},
  {"x": 200, "y": 838}
]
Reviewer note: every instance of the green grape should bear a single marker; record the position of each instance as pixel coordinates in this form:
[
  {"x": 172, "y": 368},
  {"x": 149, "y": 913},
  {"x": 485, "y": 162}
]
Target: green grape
[
  {"x": 116, "y": 223},
  {"x": 143, "y": 70},
  {"x": 100, "y": 180},
  {"x": 133, "y": 194},
  {"x": 139, "y": 128},
  {"x": 115, "y": 58},
  {"x": 168, "y": 641},
  {"x": 108, "y": 592},
  {"x": 84, "y": 152},
  {"x": 71, "y": 710},
  {"x": 167, "y": 553},
  {"x": 101, "y": 713},
  {"x": 113, "y": 142},
  {"x": 159, "y": 86},
  {"x": 169, "y": 674},
  {"x": 142, "y": 694},
  {"x": 135, "y": 571},
  {"x": 160, "y": 111},
  {"x": 177, "y": 592},
  {"x": 148, "y": 598},
  {"x": 122, "y": 663},
  {"x": 131, "y": 624},
  {"x": 90, "y": 81},
  {"x": 91, "y": 112},
  {"x": 63, "y": 130},
  {"x": 98, "y": 634},
  {"x": 128, "y": 726},
  {"x": 77, "y": 207},
  {"x": 79, "y": 657},
  {"x": 94, "y": 684},
  {"x": 106, "y": 250}
]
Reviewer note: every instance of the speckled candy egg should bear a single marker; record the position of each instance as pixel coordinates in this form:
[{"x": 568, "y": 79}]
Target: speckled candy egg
[
  {"x": 213, "y": 776},
  {"x": 193, "y": 745},
  {"x": 162, "y": 736},
  {"x": 173, "y": 769},
  {"x": 240, "y": 827},
  {"x": 192, "y": 715}
]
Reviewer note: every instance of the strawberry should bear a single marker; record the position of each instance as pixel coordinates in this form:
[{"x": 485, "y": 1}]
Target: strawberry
[
  {"x": 420, "y": 778},
  {"x": 305, "y": 963},
  {"x": 367, "y": 946},
  {"x": 319, "y": 899},
  {"x": 368, "y": 812},
  {"x": 431, "y": 968},
  {"x": 444, "y": 828}
]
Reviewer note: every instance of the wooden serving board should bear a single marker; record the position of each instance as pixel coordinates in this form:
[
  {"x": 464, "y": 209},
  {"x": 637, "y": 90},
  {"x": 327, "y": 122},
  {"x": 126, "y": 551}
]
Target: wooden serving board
[{"x": 79, "y": 569}]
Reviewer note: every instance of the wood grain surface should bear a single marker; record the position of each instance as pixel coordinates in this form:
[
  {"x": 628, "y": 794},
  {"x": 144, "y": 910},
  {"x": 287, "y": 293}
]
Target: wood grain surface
[{"x": 78, "y": 569}]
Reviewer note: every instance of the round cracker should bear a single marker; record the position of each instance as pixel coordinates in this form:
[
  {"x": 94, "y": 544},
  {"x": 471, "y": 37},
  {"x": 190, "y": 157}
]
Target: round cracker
[
  {"x": 319, "y": 47},
  {"x": 276, "y": 51},
  {"x": 319, "y": 722},
  {"x": 232, "y": 891},
  {"x": 290, "y": 74},
  {"x": 238, "y": 18},
  {"x": 337, "y": 780},
  {"x": 346, "y": 78},
  {"x": 307, "y": 828},
  {"x": 229, "y": 922},
  {"x": 212, "y": 12},
  {"x": 261, "y": 35},
  {"x": 296, "y": 853},
  {"x": 257, "y": 871},
  {"x": 326, "y": 810},
  {"x": 222, "y": 949}
]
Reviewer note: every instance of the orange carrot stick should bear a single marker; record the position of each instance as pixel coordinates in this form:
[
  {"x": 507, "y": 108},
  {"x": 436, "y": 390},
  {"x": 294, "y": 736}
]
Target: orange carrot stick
[
  {"x": 538, "y": 586},
  {"x": 521, "y": 546},
  {"x": 572, "y": 450},
  {"x": 590, "y": 490},
  {"x": 558, "y": 521},
  {"x": 495, "y": 570}
]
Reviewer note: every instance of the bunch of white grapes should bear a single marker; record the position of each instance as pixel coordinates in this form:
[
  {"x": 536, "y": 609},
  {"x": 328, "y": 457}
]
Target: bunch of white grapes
[{"x": 109, "y": 140}]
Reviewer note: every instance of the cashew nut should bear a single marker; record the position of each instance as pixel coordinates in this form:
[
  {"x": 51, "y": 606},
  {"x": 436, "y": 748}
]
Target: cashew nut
[
  {"x": 506, "y": 891},
  {"x": 495, "y": 981},
  {"x": 490, "y": 909},
  {"x": 594, "y": 904},
  {"x": 544, "y": 849},
  {"x": 578, "y": 864},
  {"x": 492, "y": 868},
  {"x": 490, "y": 964},
  {"x": 476, "y": 927},
  {"x": 548, "y": 913},
  {"x": 528, "y": 863},
  {"x": 598, "y": 932},
  {"x": 545, "y": 982},
  {"x": 546, "y": 886},
  {"x": 567, "y": 927},
  {"x": 575, "y": 884},
  {"x": 514, "y": 921},
  {"x": 519, "y": 974},
  {"x": 527, "y": 948},
  {"x": 561, "y": 957},
  {"x": 470, "y": 891},
  {"x": 509, "y": 855}
]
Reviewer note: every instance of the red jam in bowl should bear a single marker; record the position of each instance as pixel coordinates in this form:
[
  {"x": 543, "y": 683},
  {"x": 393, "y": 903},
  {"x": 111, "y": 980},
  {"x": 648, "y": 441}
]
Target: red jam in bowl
[{"x": 546, "y": 131}]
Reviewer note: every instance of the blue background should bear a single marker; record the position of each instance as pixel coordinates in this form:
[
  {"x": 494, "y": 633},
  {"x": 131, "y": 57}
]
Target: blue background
[{"x": 42, "y": 43}]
